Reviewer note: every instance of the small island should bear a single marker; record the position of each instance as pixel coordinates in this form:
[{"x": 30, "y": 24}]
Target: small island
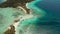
[{"x": 15, "y": 4}]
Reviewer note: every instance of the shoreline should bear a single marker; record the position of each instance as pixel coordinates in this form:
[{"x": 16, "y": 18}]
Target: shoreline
[{"x": 15, "y": 24}]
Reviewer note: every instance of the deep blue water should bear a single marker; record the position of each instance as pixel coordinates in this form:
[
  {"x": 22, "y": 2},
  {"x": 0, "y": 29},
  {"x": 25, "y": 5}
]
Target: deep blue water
[
  {"x": 52, "y": 20},
  {"x": 52, "y": 8},
  {"x": 50, "y": 24}
]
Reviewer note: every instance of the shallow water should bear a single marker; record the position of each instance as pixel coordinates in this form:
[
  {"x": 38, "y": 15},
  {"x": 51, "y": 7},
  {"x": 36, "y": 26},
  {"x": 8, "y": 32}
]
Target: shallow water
[
  {"x": 9, "y": 14},
  {"x": 7, "y": 17},
  {"x": 41, "y": 23}
]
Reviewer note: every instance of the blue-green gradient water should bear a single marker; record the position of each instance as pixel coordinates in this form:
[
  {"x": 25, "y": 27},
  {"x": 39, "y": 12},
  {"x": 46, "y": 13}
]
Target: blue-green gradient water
[{"x": 47, "y": 22}]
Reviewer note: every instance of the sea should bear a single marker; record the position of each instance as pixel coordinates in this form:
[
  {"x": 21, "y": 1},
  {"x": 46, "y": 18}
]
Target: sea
[{"x": 48, "y": 20}]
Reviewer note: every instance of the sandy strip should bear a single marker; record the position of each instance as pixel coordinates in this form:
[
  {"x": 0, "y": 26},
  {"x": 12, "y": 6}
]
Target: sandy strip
[{"x": 21, "y": 19}]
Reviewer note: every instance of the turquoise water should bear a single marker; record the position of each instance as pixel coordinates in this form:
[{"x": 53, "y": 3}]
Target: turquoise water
[
  {"x": 29, "y": 26},
  {"x": 35, "y": 11},
  {"x": 7, "y": 17},
  {"x": 48, "y": 22},
  {"x": 43, "y": 22},
  {"x": 9, "y": 14}
]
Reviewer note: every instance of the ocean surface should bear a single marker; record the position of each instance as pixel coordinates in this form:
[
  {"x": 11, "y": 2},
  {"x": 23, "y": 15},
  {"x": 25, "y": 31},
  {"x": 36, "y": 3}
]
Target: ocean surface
[{"x": 48, "y": 20}]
